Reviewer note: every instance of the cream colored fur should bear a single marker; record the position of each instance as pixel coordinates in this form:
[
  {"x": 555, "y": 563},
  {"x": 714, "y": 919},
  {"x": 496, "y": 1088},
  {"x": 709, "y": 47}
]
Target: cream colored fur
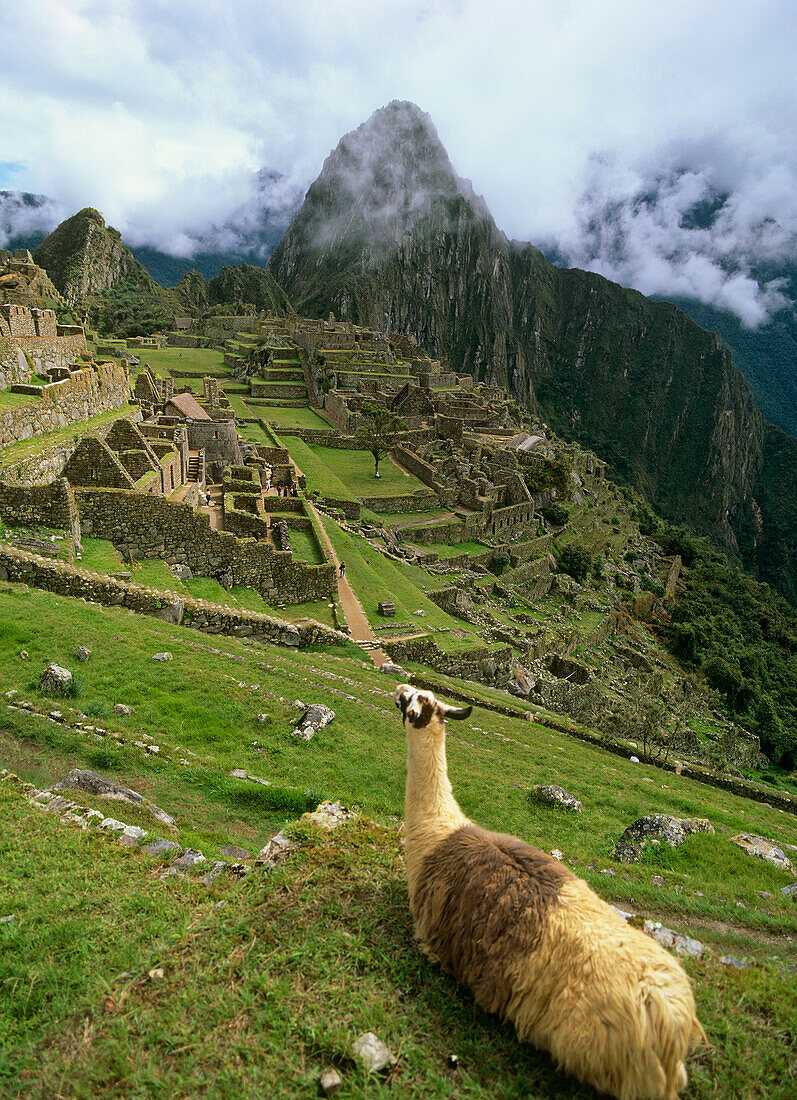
[{"x": 611, "y": 1006}]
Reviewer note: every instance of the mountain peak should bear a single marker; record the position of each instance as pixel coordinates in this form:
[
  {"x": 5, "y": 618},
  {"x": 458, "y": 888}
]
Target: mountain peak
[
  {"x": 379, "y": 184},
  {"x": 393, "y": 163},
  {"x": 84, "y": 255}
]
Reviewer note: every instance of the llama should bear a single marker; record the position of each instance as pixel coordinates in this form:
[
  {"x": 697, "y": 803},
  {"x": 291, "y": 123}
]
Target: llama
[{"x": 532, "y": 941}]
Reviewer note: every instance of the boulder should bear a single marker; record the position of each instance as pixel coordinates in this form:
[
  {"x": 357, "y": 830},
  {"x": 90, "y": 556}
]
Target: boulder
[
  {"x": 122, "y": 708},
  {"x": 81, "y": 779},
  {"x": 162, "y": 657},
  {"x": 181, "y": 572},
  {"x": 683, "y": 945},
  {"x": 81, "y": 653},
  {"x": 315, "y": 718},
  {"x": 764, "y": 849},
  {"x": 56, "y": 680},
  {"x": 276, "y": 851},
  {"x": 190, "y": 858},
  {"x": 656, "y": 829},
  {"x": 371, "y": 1053},
  {"x": 625, "y": 852},
  {"x": 665, "y": 828},
  {"x": 391, "y": 669},
  {"x": 172, "y": 611},
  {"x": 522, "y": 682},
  {"x": 330, "y": 1081},
  {"x": 556, "y": 796},
  {"x": 329, "y": 815},
  {"x": 233, "y": 852}
]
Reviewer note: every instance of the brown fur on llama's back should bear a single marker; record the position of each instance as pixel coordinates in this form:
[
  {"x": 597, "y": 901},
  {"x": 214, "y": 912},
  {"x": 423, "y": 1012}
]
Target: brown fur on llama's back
[{"x": 533, "y": 942}]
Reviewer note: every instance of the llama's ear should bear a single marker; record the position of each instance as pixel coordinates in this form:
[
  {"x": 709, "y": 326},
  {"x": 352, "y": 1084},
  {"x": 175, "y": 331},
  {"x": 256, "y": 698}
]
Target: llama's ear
[{"x": 457, "y": 713}]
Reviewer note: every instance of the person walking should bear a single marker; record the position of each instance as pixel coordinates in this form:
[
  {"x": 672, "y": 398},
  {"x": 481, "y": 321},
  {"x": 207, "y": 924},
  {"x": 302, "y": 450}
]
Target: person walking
[{"x": 343, "y": 569}]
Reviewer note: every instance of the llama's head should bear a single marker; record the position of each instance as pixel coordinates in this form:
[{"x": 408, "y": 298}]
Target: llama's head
[{"x": 420, "y": 708}]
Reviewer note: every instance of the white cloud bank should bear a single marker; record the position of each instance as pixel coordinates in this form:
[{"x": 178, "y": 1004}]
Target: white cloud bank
[{"x": 618, "y": 114}]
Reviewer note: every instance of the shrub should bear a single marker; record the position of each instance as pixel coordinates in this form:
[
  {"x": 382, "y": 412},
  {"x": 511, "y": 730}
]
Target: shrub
[
  {"x": 97, "y": 708},
  {"x": 556, "y": 514},
  {"x": 652, "y": 586},
  {"x": 500, "y": 562},
  {"x": 576, "y": 561}
]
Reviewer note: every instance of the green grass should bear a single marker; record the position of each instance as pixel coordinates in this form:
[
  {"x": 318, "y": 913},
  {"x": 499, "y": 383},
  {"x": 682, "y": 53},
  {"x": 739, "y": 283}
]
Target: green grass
[
  {"x": 162, "y": 361},
  {"x": 375, "y": 578},
  {"x": 154, "y": 573},
  {"x": 305, "y": 547},
  {"x": 243, "y": 1007},
  {"x": 100, "y": 556},
  {"x": 254, "y": 433},
  {"x": 318, "y": 474},
  {"x": 239, "y": 407},
  {"x": 356, "y": 470},
  {"x": 452, "y": 550},
  {"x": 9, "y": 400},
  {"x": 16, "y": 452}
]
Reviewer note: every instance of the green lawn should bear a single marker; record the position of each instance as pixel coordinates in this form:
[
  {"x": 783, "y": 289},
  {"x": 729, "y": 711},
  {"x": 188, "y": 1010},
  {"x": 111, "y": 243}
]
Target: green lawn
[
  {"x": 100, "y": 556},
  {"x": 239, "y": 407},
  {"x": 305, "y": 546},
  {"x": 161, "y": 361},
  {"x": 318, "y": 474},
  {"x": 375, "y": 578},
  {"x": 356, "y": 470},
  {"x": 451, "y": 550}
]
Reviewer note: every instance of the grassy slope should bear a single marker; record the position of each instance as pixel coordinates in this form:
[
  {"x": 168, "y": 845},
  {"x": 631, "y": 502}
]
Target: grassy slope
[
  {"x": 374, "y": 577},
  {"x": 356, "y": 469},
  {"x": 244, "y": 1006}
]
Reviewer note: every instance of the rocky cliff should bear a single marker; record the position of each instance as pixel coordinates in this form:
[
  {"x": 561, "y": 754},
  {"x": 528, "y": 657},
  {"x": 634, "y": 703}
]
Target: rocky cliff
[
  {"x": 83, "y": 256},
  {"x": 234, "y": 287},
  {"x": 388, "y": 235}
]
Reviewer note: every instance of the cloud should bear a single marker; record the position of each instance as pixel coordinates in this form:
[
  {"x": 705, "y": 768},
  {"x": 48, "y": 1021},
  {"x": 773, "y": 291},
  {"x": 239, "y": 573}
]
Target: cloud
[{"x": 161, "y": 115}]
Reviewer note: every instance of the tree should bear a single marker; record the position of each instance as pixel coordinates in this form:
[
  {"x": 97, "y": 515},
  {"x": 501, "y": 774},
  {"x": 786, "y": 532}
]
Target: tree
[
  {"x": 576, "y": 561},
  {"x": 379, "y": 431}
]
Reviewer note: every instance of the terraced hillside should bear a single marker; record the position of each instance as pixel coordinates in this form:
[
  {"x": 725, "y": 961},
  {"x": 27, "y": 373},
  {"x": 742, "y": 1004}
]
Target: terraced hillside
[{"x": 567, "y": 613}]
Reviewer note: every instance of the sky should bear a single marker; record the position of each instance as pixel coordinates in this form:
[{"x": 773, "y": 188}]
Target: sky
[{"x": 594, "y": 128}]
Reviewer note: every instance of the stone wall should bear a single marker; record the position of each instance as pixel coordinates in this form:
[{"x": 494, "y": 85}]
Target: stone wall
[
  {"x": 40, "y": 506},
  {"x": 37, "y": 353},
  {"x": 349, "y": 508},
  {"x": 504, "y": 521},
  {"x": 485, "y": 666},
  {"x": 417, "y": 466},
  {"x": 339, "y": 411},
  {"x": 527, "y": 551},
  {"x": 419, "y": 501},
  {"x": 219, "y": 438},
  {"x": 150, "y": 527},
  {"x": 469, "y": 527},
  {"x": 55, "y": 576},
  {"x": 284, "y": 504},
  {"x": 329, "y": 437},
  {"x": 87, "y": 392}
]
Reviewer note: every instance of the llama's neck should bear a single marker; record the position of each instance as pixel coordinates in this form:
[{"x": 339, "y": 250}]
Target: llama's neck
[{"x": 430, "y": 809}]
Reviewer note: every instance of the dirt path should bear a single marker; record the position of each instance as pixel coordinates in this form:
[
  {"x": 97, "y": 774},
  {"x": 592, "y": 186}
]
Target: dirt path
[
  {"x": 356, "y": 618},
  {"x": 215, "y": 512}
]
